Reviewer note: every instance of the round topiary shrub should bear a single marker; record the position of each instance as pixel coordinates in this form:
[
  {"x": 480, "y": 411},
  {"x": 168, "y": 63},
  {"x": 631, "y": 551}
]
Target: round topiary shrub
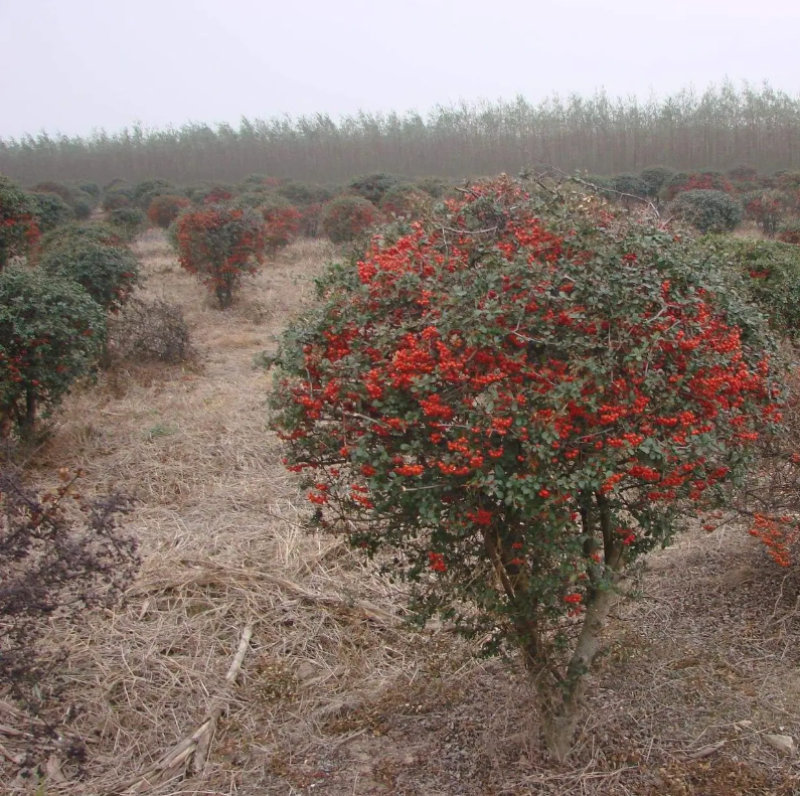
[
  {"x": 209, "y": 193},
  {"x": 90, "y": 188},
  {"x": 435, "y": 187},
  {"x": 144, "y": 192},
  {"x": 707, "y": 211},
  {"x": 107, "y": 273},
  {"x": 117, "y": 197},
  {"x": 281, "y": 222},
  {"x": 372, "y": 187},
  {"x": 220, "y": 244},
  {"x": 165, "y": 209},
  {"x": 631, "y": 185},
  {"x": 51, "y": 211},
  {"x": 58, "y": 188},
  {"x": 348, "y": 217},
  {"x": 404, "y": 201},
  {"x": 51, "y": 333},
  {"x": 301, "y": 194},
  {"x": 82, "y": 209},
  {"x": 511, "y": 404},
  {"x": 130, "y": 221},
  {"x": 702, "y": 181},
  {"x": 654, "y": 179},
  {"x": 73, "y": 234},
  {"x": 18, "y": 228}
]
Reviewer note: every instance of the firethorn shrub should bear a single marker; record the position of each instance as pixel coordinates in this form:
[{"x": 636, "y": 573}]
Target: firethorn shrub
[
  {"x": 707, "y": 210},
  {"x": 18, "y": 228},
  {"x": 372, "y": 187},
  {"x": 117, "y": 197},
  {"x": 220, "y": 243},
  {"x": 766, "y": 209},
  {"x": 72, "y": 234},
  {"x": 51, "y": 211},
  {"x": 281, "y": 222},
  {"x": 51, "y": 333},
  {"x": 348, "y": 218},
  {"x": 512, "y": 403},
  {"x": 129, "y": 221},
  {"x": 165, "y": 208},
  {"x": 789, "y": 231},
  {"x": 404, "y": 201},
  {"x": 107, "y": 273}
]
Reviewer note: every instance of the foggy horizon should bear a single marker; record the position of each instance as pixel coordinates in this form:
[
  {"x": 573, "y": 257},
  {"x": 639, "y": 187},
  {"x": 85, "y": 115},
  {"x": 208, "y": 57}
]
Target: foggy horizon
[{"x": 84, "y": 67}]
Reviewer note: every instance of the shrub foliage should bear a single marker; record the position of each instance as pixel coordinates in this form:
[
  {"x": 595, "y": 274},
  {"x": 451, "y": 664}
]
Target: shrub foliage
[
  {"x": 51, "y": 333},
  {"x": 221, "y": 244},
  {"x": 18, "y": 228},
  {"x": 707, "y": 210},
  {"x": 348, "y": 218},
  {"x": 512, "y": 403}
]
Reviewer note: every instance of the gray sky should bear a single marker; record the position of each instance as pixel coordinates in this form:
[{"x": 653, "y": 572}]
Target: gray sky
[{"x": 75, "y": 65}]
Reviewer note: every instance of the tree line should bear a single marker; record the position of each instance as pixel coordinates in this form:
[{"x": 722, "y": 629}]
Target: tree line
[{"x": 716, "y": 129}]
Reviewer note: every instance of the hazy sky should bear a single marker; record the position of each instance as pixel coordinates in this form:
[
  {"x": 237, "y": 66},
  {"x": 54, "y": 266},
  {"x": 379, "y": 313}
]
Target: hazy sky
[{"x": 75, "y": 65}]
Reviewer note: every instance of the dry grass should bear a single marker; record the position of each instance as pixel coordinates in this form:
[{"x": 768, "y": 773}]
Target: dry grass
[{"x": 335, "y": 695}]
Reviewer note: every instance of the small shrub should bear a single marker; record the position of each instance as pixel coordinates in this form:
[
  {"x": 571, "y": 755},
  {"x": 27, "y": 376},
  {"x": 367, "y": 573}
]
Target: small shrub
[
  {"x": 403, "y": 201},
  {"x": 130, "y": 221},
  {"x": 301, "y": 194},
  {"x": 55, "y": 564},
  {"x": 91, "y": 188},
  {"x": 435, "y": 187},
  {"x": 58, "y": 188},
  {"x": 707, "y": 210},
  {"x": 281, "y": 222},
  {"x": 82, "y": 209},
  {"x": 117, "y": 198},
  {"x": 631, "y": 185},
  {"x": 51, "y": 333},
  {"x": 311, "y": 220},
  {"x": 208, "y": 193},
  {"x": 150, "y": 330},
  {"x": 144, "y": 192},
  {"x": 654, "y": 179},
  {"x": 220, "y": 244},
  {"x": 348, "y": 217},
  {"x": 51, "y": 211},
  {"x": 789, "y": 231},
  {"x": 107, "y": 273},
  {"x": 165, "y": 209},
  {"x": 704, "y": 181},
  {"x": 73, "y": 234},
  {"x": 372, "y": 187},
  {"x": 743, "y": 173},
  {"x": 18, "y": 228}
]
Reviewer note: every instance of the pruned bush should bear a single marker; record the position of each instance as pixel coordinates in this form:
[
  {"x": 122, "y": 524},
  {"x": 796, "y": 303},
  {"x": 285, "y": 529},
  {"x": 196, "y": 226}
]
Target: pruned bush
[
  {"x": 51, "y": 334},
  {"x": 403, "y": 201},
  {"x": 164, "y": 209},
  {"x": 301, "y": 194},
  {"x": 150, "y": 329},
  {"x": 220, "y": 243},
  {"x": 789, "y": 231},
  {"x": 512, "y": 403},
  {"x": 144, "y": 192},
  {"x": 281, "y": 222},
  {"x": 90, "y": 188},
  {"x": 707, "y": 210},
  {"x": 372, "y": 187},
  {"x": 60, "y": 555},
  {"x": 348, "y": 218},
  {"x": 209, "y": 193},
  {"x": 703, "y": 181},
  {"x": 435, "y": 187},
  {"x": 107, "y": 273},
  {"x": 58, "y": 188},
  {"x": 631, "y": 185},
  {"x": 73, "y": 234},
  {"x": 117, "y": 197},
  {"x": 130, "y": 221},
  {"x": 82, "y": 209},
  {"x": 18, "y": 227},
  {"x": 51, "y": 211},
  {"x": 654, "y": 179}
]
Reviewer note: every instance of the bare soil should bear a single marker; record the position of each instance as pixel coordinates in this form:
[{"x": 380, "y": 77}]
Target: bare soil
[{"x": 335, "y": 694}]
